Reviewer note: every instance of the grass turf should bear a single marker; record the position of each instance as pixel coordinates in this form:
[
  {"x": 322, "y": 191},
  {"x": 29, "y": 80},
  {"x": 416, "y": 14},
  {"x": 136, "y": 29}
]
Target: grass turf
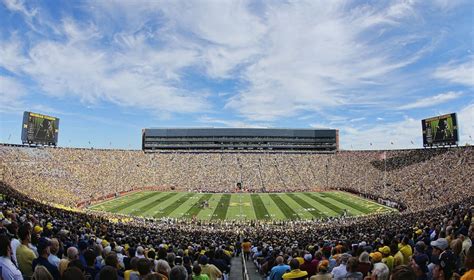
[{"x": 241, "y": 206}]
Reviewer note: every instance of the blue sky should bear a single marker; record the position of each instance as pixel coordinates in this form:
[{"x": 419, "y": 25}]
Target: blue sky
[{"x": 107, "y": 69}]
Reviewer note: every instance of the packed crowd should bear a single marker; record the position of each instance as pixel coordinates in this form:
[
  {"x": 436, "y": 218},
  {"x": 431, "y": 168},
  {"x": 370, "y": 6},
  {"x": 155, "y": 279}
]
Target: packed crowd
[
  {"x": 419, "y": 178},
  {"x": 45, "y": 242}
]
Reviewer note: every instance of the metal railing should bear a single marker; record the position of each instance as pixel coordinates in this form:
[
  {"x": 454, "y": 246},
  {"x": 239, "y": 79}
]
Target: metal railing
[{"x": 245, "y": 273}]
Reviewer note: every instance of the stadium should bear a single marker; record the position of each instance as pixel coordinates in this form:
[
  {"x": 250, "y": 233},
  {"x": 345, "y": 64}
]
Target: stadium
[{"x": 236, "y": 140}]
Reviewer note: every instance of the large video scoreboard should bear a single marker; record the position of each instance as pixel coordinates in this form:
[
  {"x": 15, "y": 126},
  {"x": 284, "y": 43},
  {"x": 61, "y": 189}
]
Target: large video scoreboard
[
  {"x": 39, "y": 129},
  {"x": 440, "y": 130}
]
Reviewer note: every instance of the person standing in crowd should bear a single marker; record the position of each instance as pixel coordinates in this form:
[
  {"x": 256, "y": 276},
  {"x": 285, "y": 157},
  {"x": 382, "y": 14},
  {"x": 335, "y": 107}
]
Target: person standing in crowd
[
  {"x": 197, "y": 275},
  {"x": 323, "y": 273},
  {"x": 380, "y": 270},
  {"x": 15, "y": 242},
  {"x": 295, "y": 272},
  {"x": 8, "y": 269},
  {"x": 211, "y": 270},
  {"x": 246, "y": 247},
  {"x": 53, "y": 258},
  {"x": 469, "y": 264},
  {"x": 25, "y": 256},
  {"x": 403, "y": 272},
  {"x": 279, "y": 269},
  {"x": 443, "y": 259},
  {"x": 308, "y": 265},
  {"x": 341, "y": 270},
  {"x": 364, "y": 265},
  {"x": 72, "y": 254},
  {"x": 44, "y": 251},
  {"x": 405, "y": 249},
  {"x": 352, "y": 273},
  {"x": 419, "y": 263},
  {"x": 387, "y": 258}
]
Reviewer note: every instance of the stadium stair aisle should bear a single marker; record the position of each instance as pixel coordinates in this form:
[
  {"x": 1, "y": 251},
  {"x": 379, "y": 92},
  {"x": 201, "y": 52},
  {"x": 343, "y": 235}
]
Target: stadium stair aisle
[
  {"x": 236, "y": 271},
  {"x": 252, "y": 271}
]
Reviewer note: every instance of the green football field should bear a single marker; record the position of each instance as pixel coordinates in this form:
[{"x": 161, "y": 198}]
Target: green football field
[{"x": 262, "y": 206}]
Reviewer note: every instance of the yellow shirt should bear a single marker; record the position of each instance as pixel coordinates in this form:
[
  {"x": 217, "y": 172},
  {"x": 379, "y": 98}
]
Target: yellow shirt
[
  {"x": 295, "y": 274},
  {"x": 407, "y": 252},
  {"x": 398, "y": 259},
  {"x": 25, "y": 257},
  {"x": 212, "y": 271},
  {"x": 389, "y": 262}
]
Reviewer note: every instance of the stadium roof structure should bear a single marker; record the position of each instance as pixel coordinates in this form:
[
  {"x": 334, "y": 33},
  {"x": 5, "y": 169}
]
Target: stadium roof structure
[{"x": 240, "y": 138}]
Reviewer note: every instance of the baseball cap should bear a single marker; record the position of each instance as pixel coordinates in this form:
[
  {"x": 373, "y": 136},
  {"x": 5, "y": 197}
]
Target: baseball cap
[
  {"x": 308, "y": 257},
  {"x": 440, "y": 243},
  {"x": 376, "y": 256},
  {"x": 385, "y": 250}
]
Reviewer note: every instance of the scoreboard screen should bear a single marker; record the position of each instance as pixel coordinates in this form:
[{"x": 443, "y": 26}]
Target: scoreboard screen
[
  {"x": 440, "y": 130},
  {"x": 39, "y": 129}
]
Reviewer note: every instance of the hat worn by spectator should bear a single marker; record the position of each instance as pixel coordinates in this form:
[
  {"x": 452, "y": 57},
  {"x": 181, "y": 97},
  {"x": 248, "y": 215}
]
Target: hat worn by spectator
[
  {"x": 385, "y": 250},
  {"x": 37, "y": 229},
  {"x": 376, "y": 256},
  {"x": 308, "y": 257},
  {"x": 440, "y": 243}
]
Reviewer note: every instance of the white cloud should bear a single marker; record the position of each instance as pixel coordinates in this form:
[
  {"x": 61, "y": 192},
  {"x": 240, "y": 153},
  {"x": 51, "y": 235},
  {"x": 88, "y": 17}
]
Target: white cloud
[
  {"x": 11, "y": 93},
  {"x": 231, "y": 123},
  {"x": 19, "y": 6},
  {"x": 314, "y": 56},
  {"x": 141, "y": 79},
  {"x": 431, "y": 101},
  {"x": 401, "y": 133},
  {"x": 466, "y": 124},
  {"x": 457, "y": 72},
  {"x": 12, "y": 58}
]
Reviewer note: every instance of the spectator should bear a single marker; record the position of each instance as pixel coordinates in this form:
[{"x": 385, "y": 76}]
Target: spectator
[
  {"x": 25, "y": 256},
  {"x": 8, "y": 270},
  {"x": 108, "y": 273},
  {"x": 72, "y": 254},
  {"x": 43, "y": 251},
  {"x": 341, "y": 270},
  {"x": 295, "y": 272},
  {"x": 380, "y": 270},
  {"x": 73, "y": 273},
  {"x": 308, "y": 265},
  {"x": 403, "y": 272},
  {"x": 211, "y": 270},
  {"x": 41, "y": 273},
  {"x": 323, "y": 272},
  {"x": 364, "y": 265},
  {"x": 53, "y": 258},
  {"x": 352, "y": 273},
  {"x": 278, "y": 270},
  {"x": 469, "y": 263},
  {"x": 197, "y": 275},
  {"x": 178, "y": 272}
]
